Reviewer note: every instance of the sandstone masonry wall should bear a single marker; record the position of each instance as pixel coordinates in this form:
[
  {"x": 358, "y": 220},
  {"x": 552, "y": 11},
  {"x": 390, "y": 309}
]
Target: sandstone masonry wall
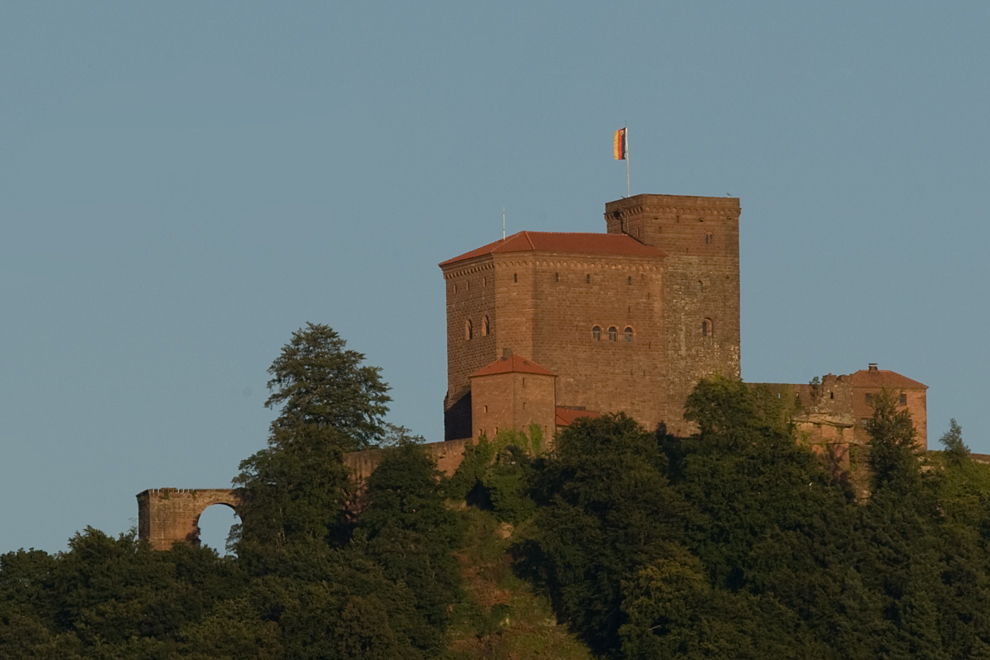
[{"x": 168, "y": 515}]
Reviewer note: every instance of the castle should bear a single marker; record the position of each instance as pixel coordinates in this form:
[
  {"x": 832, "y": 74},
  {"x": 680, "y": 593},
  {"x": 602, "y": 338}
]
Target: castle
[
  {"x": 627, "y": 320},
  {"x": 544, "y": 328}
]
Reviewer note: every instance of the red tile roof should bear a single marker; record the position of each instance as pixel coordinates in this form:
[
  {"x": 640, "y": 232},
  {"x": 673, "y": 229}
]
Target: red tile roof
[
  {"x": 513, "y": 363},
  {"x": 573, "y": 242},
  {"x": 567, "y": 416},
  {"x": 884, "y": 378}
]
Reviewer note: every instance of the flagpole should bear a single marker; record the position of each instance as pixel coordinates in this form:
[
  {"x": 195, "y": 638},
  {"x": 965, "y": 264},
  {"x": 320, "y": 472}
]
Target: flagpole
[{"x": 626, "y": 135}]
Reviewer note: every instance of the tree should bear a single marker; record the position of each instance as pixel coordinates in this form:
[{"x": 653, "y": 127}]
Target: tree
[
  {"x": 318, "y": 383},
  {"x": 605, "y": 509},
  {"x": 331, "y": 403},
  {"x": 893, "y": 452},
  {"x": 293, "y": 490},
  {"x": 409, "y": 531},
  {"x": 956, "y": 450}
]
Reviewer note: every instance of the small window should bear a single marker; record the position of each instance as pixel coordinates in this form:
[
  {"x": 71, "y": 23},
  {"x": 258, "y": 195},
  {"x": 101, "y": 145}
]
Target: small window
[
  {"x": 707, "y": 328},
  {"x": 515, "y": 277},
  {"x": 613, "y": 334},
  {"x": 629, "y": 334},
  {"x": 596, "y": 333},
  {"x": 709, "y": 239},
  {"x": 486, "y": 327},
  {"x": 629, "y": 280},
  {"x": 556, "y": 277},
  {"x": 831, "y": 395},
  {"x": 863, "y": 422},
  {"x": 486, "y": 408},
  {"x": 701, "y": 286},
  {"x": 587, "y": 279},
  {"x": 484, "y": 281},
  {"x": 468, "y": 330},
  {"x": 902, "y": 399},
  {"x": 869, "y": 399},
  {"x": 455, "y": 287}
]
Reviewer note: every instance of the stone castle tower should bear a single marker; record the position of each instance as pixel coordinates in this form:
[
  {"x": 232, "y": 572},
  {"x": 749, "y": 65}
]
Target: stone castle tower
[{"x": 626, "y": 320}]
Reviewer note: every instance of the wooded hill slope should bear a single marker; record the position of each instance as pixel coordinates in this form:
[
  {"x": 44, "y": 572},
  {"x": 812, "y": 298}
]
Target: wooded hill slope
[{"x": 734, "y": 543}]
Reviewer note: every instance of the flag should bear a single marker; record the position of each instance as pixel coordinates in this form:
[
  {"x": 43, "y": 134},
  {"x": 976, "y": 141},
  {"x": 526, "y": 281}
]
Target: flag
[{"x": 620, "y": 144}]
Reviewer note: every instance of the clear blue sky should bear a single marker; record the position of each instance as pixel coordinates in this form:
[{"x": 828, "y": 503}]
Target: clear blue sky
[{"x": 184, "y": 184}]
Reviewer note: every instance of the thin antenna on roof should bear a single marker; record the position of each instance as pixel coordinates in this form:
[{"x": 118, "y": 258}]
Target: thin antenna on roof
[{"x": 503, "y": 223}]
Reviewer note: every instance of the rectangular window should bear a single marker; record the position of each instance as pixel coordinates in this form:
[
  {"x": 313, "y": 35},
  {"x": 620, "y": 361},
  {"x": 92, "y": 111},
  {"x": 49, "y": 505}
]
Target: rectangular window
[
  {"x": 869, "y": 399},
  {"x": 903, "y": 400}
]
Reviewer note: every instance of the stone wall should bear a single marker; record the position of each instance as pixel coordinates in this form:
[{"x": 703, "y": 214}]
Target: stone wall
[{"x": 168, "y": 515}]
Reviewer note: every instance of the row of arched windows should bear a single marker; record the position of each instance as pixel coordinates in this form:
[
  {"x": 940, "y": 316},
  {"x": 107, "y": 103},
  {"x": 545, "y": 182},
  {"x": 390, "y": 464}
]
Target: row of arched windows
[
  {"x": 486, "y": 328},
  {"x": 613, "y": 334}
]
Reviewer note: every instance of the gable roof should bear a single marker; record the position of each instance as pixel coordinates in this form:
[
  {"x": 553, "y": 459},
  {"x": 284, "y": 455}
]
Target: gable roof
[
  {"x": 884, "y": 378},
  {"x": 567, "y": 416},
  {"x": 573, "y": 242},
  {"x": 510, "y": 364}
]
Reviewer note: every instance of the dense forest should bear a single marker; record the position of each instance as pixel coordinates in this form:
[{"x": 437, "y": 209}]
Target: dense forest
[{"x": 611, "y": 542}]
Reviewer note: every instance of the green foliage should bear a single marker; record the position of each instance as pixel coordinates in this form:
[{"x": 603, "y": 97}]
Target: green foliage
[
  {"x": 496, "y": 474},
  {"x": 318, "y": 383},
  {"x": 507, "y": 483},
  {"x": 410, "y": 532},
  {"x": 471, "y": 472},
  {"x": 893, "y": 450},
  {"x": 724, "y": 409},
  {"x": 734, "y": 543},
  {"x": 956, "y": 451},
  {"x": 674, "y": 613},
  {"x": 605, "y": 509},
  {"x": 498, "y": 615},
  {"x": 330, "y": 404},
  {"x": 294, "y": 489}
]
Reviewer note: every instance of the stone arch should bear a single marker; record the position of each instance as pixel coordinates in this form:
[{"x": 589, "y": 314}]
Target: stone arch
[{"x": 168, "y": 515}]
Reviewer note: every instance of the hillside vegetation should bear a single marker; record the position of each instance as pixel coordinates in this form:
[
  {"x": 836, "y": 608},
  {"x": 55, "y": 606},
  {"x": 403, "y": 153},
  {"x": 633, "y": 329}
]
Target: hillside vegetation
[{"x": 612, "y": 543}]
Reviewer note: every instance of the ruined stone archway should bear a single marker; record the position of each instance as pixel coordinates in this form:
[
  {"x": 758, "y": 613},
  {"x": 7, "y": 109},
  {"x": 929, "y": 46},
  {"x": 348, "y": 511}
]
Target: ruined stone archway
[{"x": 167, "y": 515}]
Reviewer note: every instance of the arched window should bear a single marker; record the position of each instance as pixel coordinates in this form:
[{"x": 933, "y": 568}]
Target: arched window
[
  {"x": 628, "y": 333},
  {"x": 486, "y": 327},
  {"x": 596, "y": 333},
  {"x": 613, "y": 334},
  {"x": 707, "y": 328},
  {"x": 468, "y": 329}
]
